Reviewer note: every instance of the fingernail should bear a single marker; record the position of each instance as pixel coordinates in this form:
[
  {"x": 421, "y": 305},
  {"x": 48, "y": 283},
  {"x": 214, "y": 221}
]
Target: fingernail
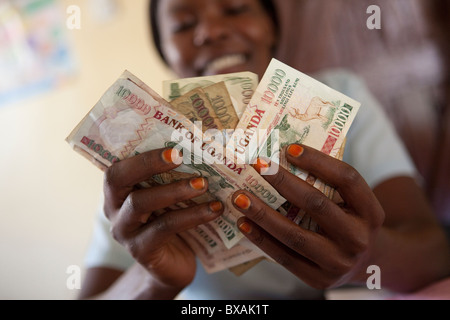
[
  {"x": 197, "y": 183},
  {"x": 261, "y": 166},
  {"x": 145, "y": 217},
  {"x": 172, "y": 156},
  {"x": 215, "y": 206},
  {"x": 245, "y": 227},
  {"x": 295, "y": 150},
  {"x": 242, "y": 201}
]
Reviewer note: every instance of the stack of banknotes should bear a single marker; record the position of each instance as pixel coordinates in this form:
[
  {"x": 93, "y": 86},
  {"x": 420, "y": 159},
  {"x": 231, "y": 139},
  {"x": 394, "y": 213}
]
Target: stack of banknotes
[{"x": 222, "y": 124}]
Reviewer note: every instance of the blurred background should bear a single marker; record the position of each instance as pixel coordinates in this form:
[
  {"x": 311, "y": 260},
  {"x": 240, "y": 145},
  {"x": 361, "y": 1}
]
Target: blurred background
[
  {"x": 58, "y": 57},
  {"x": 50, "y": 77}
]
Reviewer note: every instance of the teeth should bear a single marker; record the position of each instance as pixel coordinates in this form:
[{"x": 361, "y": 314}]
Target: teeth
[{"x": 225, "y": 62}]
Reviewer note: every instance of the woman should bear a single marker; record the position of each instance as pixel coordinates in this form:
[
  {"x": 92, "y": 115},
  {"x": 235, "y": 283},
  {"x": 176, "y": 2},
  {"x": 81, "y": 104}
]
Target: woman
[{"x": 383, "y": 218}]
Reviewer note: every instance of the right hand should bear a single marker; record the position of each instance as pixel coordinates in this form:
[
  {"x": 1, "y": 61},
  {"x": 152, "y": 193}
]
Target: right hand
[{"x": 153, "y": 240}]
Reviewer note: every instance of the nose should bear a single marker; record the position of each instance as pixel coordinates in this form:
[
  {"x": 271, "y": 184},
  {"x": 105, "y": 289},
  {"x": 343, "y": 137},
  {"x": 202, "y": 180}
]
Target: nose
[{"x": 210, "y": 28}]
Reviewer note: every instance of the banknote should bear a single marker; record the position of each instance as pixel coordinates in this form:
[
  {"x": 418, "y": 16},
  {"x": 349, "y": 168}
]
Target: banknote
[
  {"x": 209, "y": 106},
  {"x": 222, "y": 104},
  {"x": 238, "y": 259},
  {"x": 240, "y": 85},
  {"x": 196, "y": 107},
  {"x": 118, "y": 122},
  {"x": 301, "y": 109},
  {"x": 131, "y": 118}
]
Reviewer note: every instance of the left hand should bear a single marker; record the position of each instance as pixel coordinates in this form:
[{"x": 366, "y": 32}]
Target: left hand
[{"x": 338, "y": 253}]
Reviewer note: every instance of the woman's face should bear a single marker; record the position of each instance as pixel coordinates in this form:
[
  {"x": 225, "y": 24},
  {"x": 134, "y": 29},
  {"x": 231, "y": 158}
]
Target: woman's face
[{"x": 206, "y": 37}]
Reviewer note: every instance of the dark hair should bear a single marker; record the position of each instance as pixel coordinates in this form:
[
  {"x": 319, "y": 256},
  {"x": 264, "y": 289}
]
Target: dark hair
[{"x": 268, "y": 5}]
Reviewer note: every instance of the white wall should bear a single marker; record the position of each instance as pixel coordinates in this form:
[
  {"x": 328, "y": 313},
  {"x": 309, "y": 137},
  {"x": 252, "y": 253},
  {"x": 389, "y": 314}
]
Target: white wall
[{"x": 49, "y": 193}]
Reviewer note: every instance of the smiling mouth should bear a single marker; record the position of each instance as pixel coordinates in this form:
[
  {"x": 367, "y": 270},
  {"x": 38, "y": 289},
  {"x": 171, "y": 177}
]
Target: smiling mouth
[{"x": 225, "y": 62}]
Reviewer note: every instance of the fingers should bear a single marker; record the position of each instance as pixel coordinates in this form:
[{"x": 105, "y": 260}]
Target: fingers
[
  {"x": 350, "y": 185},
  {"x": 347, "y": 181},
  {"x": 290, "y": 259},
  {"x": 140, "y": 204},
  {"x": 325, "y": 212},
  {"x": 312, "y": 257},
  {"x": 322, "y": 259},
  {"x": 121, "y": 177},
  {"x": 279, "y": 227},
  {"x": 151, "y": 237},
  {"x": 325, "y": 272}
]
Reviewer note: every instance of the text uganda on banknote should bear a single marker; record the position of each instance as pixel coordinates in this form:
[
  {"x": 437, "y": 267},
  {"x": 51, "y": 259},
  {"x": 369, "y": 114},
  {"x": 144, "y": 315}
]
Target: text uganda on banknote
[{"x": 222, "y": 124}]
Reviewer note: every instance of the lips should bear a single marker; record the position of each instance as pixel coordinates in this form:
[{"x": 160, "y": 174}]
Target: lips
[{"x": 224, "y": 63}]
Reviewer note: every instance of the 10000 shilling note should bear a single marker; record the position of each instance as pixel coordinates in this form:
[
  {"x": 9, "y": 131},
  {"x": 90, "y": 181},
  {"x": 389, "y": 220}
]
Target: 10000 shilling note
[
  {"x": 131, "y": 118},
  {"x": 301, "y": 110}
]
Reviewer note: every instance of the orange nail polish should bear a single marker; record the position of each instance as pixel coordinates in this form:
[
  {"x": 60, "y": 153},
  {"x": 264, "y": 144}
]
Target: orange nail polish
[
  {"x": 295, "y": 150},
  {"x": 261, "y": 165},
  {"x": 145, "y": 217},
  {"x": 245, "y": 227},
  {"x": 242, "y": 201},
  {"x": 172, "y": 156},
  {"x": 215, "y": 206},
  {"x": 197, "y": 183}
]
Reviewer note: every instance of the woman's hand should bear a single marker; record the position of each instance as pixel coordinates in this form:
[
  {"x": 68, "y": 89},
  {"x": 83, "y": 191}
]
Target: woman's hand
[
  {"x": 153, "y": 239},
  {"x": 336, "y": 254}
]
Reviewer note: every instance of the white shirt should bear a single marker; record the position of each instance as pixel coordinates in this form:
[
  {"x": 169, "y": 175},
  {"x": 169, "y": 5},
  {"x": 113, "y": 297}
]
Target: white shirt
[{"x": 373, "y": 149}]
